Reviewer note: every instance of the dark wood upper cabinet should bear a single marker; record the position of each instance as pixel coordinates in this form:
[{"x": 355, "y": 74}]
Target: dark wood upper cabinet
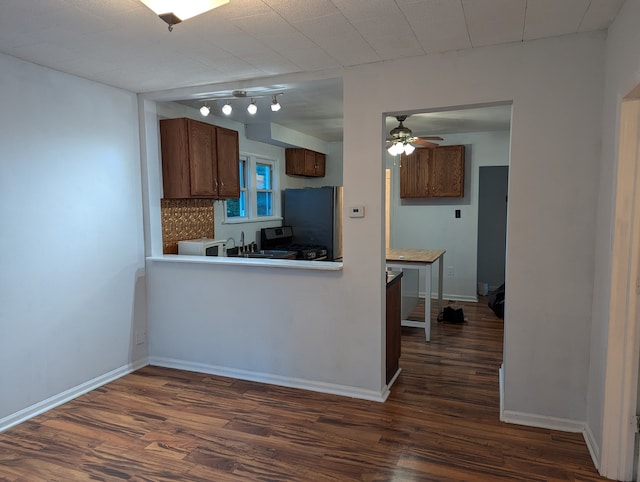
[
  {"x": 304, "y": 162},
  {"x": 228, "y": 157},
  {"x": 199, "y": 160},
  {"x": 433, "y": 173}
]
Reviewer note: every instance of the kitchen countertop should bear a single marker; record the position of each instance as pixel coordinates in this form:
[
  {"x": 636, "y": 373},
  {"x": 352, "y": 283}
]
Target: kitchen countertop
[
  {"x": 406, "y": 255},
  {"x": 239, "y": 261},
  {"x": 393, "y": 277}
]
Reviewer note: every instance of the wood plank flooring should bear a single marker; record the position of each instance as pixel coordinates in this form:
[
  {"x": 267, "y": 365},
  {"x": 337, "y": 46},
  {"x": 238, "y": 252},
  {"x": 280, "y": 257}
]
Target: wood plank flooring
[{"x": 439, "y": 424}]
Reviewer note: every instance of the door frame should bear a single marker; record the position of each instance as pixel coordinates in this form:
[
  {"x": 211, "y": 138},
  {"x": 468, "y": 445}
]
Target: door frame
[{"x": 623, "y": 341}]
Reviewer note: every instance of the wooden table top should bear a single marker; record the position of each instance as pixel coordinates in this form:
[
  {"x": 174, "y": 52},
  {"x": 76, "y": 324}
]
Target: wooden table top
[{"x": 405, "y": 255}]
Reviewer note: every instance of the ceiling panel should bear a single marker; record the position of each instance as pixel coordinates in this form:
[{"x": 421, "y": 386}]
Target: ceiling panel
[
  {"x": 124, "y": 44},
  {"x": 492, "y": 22},
  {"x": 439, "y": 25},
  {"x": 600, "y": 14}
]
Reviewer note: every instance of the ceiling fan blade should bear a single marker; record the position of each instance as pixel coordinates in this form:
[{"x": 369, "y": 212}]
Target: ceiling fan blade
[
  {"x": 431, "y": 138},
  {"x": 422, "y": 143}
]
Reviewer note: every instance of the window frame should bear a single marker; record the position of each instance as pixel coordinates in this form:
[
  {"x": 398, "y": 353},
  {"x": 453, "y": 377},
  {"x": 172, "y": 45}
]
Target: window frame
[{"x": 251, "y": 201}]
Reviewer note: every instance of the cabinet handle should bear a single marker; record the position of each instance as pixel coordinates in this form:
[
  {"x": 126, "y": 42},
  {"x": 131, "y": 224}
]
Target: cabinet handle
[
  {"x": 222, "y": 184},
  {"x": 215, "y": 181}
]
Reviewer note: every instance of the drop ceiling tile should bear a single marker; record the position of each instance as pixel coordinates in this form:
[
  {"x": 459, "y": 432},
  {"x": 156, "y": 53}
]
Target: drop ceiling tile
[
  {"x": 600, "y": 14},
  {"x": 390, "y": 36},
  {"x": 492, "y": 22},
  {"x": 336, "y": 36},
  {"x": 295, "y": 11},
  {"x": 439, "y": 25},
  {"x": 356, "y": 10},
  {"x": 566, "y": 17}
]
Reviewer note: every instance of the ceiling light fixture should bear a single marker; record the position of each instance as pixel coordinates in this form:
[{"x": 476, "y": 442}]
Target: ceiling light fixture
[
  {"x": 176, "y": 11},
  {"x": 275, "y": 105},
  {"x": 400, "y": 147},
  {"x": 252, "y": 108}
]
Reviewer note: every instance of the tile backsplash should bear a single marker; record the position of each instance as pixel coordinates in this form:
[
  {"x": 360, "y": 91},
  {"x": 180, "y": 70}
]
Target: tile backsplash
[{"x": 185, "y": 219}]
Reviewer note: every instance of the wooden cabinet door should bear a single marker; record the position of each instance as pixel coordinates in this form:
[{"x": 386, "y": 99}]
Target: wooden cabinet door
[
  {"x": 393, "y": 328},
  {"x": 320, "y": 164},
  {"x": 432, "y": 172},
  {"x": 303, "y": 162},
  {"x": 447, "y": 172},
  {"x": 228, "y": 159},
  {"x": 414, "y": 174},
  {"x": 309, "y": 163},
  {"x": 175, "y": 158},
  {"x": 294, "y": 161},
  {"x": 203, "y": 159}
]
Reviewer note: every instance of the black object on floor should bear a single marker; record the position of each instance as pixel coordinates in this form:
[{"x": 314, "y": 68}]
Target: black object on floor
[{"x": 496, "y": 301}]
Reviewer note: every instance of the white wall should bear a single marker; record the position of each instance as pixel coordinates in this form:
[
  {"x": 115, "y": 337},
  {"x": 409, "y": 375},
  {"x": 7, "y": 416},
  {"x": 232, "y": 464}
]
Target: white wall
[
  {"x": 622, "y": 75},
  {"x": 431, "y": 223},
  {"x": 294, "y": 326},
  {"x": 72, "y": 278},
  {"x": 555, "y": 86}
]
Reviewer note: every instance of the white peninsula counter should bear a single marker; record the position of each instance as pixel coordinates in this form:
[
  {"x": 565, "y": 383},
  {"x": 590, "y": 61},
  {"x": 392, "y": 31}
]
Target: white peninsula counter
[{"x": 240, "y": 261}]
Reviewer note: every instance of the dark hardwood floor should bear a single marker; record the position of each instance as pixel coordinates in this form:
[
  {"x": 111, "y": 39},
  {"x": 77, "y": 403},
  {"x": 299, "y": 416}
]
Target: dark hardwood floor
[{"x": 439, "y": 424}]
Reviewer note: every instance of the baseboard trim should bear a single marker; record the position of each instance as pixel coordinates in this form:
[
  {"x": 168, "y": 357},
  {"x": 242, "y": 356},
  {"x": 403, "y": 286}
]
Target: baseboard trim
[
  {"x": 63, "y": 397},
  {"x": 594, "y": 449},
  {"x": 501, "y": 381},
  {"x": 270, "y": 379},
  {"x": 541, "y": 421}
]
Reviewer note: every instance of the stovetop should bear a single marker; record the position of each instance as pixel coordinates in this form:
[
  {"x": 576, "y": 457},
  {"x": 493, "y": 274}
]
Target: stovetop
[{"x": 282, "y": 238}]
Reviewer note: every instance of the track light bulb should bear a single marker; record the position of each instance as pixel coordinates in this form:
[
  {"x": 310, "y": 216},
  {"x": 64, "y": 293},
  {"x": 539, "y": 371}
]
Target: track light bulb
[
  {"x": 226, "y": 109},
  {"x": 275, "y": 105},
  {"x": 252, "y": 108},
  {"x": 204, "y": 110}
]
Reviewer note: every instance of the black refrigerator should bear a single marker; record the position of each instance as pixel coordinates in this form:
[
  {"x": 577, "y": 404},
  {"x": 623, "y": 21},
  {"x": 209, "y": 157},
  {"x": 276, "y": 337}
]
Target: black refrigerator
[{"x": 315, "y": 214}]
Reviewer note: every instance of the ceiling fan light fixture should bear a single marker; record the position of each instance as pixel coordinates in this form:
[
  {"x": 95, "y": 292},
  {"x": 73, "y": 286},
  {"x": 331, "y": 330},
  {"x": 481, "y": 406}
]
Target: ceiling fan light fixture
[
  {"x": 252, "y": 108},
  {"x": 395, "y": 148},
  {"x": 205, "y": 110},
  {"x": 176, "y": 11},
  {"x": 408, "y": 149},
  {"x": 226, "y": 109}
]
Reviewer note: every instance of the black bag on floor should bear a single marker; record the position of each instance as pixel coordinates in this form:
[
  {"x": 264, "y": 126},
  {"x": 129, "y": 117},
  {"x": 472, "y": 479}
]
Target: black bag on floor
[
  {"x": 451, "y": 314},
  {"x": 496, "y": 301}
]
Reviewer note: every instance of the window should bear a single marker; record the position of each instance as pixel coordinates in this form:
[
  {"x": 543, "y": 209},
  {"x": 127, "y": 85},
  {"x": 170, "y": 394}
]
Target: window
[{"x": 258, "y": 192}]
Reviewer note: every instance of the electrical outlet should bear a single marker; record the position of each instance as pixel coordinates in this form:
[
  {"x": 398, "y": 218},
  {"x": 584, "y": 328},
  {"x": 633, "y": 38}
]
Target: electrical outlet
[{"x": 450, "y": 272}]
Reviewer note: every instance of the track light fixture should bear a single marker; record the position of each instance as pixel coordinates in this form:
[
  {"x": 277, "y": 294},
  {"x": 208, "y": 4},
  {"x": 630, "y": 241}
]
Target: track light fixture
[
  {"x": 275, "y": 105},
  {"x": 252, "y": 107}
]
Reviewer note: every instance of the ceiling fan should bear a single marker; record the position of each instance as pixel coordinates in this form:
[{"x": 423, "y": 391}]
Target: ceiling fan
[{"x": 401, "y": 139}]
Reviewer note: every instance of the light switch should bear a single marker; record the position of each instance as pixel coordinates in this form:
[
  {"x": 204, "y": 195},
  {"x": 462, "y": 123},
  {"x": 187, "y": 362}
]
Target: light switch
[{"x": 356, "y": 212}]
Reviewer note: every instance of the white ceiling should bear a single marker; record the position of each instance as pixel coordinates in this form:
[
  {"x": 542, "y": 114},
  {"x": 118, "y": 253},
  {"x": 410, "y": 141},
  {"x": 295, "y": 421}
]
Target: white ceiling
[{"x": 123, "y": 44}]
